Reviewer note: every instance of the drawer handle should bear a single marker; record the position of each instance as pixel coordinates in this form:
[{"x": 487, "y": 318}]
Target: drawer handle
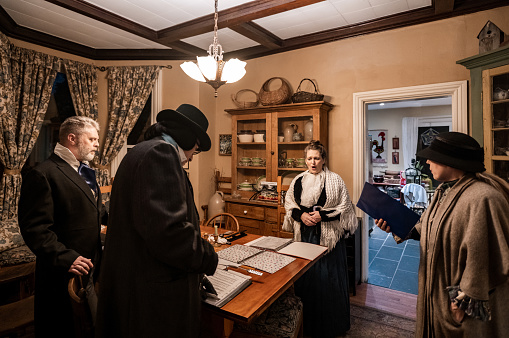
[{"x": 245, "y": 212}]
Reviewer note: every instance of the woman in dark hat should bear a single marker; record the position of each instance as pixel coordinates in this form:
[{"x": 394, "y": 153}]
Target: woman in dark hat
[
  {"x": 154, "y": 254},
  {"x": 464, "y": 241}
]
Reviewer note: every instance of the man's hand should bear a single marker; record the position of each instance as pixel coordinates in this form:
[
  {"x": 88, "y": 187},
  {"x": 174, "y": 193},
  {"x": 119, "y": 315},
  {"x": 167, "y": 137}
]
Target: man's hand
[
  {"x": 81, "y": 266},
  {"x": 383, "y": 225},
  {"x": 307, "y": 219},
  {"x": 457, "y": 313}
]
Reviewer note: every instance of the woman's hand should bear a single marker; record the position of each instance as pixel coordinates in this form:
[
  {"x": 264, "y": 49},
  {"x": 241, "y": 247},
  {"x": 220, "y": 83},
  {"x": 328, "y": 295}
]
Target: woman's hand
[
  {"x": 315, "y": 215},
  {"x": 383, "y": 225},
  {"x": 307, "y": 219}
]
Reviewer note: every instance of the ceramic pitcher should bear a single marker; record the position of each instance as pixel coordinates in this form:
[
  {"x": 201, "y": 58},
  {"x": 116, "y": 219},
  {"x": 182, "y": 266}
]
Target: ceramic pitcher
[{"x": 216, "y": 204}]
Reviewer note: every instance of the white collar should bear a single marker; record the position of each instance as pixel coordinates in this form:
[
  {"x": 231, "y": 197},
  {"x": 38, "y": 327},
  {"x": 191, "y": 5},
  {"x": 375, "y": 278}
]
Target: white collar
[{"x": 65, "y": 154}]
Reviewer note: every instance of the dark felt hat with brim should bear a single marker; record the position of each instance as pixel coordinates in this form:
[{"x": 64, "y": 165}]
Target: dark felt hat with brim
[
  {"x": 456, "y": 150},
  {"x": 189, "y": 116}
]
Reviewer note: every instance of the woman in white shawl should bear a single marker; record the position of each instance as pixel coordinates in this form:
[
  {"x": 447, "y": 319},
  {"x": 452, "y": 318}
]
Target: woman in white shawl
[{"x": 319, "y": 211}]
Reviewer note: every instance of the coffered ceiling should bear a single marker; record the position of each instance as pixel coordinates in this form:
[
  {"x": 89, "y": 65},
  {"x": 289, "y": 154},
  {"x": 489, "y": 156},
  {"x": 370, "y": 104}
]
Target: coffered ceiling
[{"x": 183, "y": 29}]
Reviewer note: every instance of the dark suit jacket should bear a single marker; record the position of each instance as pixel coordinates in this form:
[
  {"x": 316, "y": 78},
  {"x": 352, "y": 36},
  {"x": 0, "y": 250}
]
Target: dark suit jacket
[
  {"x": 153, "y": 254},
  {"x": 60, "y": 219}
]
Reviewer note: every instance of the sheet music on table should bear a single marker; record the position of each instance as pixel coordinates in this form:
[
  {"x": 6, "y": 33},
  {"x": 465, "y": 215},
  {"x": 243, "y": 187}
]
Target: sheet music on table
[
  {"x": 270, "y": 242},
  {"x": 268, "y": 261},
  {"x": 237, "y": 253},
  {"x": 227, "y": 285}
]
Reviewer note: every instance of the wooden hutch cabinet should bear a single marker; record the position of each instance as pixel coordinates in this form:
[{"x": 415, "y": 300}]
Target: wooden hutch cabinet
[
  {"x": 496, "y": 120},
  {"x": 489, "y": 106},
  {"x": 261, "y": 216}
]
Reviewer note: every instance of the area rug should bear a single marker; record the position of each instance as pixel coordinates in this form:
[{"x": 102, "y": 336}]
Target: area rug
[{"x": 369, "y": 322}]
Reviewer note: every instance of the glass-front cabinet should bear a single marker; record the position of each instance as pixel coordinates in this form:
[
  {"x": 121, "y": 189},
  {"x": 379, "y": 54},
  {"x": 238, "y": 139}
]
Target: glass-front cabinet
[
  {"x": 496, "y": 120},
  {"x": 268, "y": 141}
]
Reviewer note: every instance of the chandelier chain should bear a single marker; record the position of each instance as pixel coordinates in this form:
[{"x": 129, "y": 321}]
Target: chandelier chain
[{"x": 215, "y": 49}]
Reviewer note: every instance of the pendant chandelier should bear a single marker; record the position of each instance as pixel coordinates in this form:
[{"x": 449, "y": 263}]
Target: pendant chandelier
[{"x": 212, "y": 69}]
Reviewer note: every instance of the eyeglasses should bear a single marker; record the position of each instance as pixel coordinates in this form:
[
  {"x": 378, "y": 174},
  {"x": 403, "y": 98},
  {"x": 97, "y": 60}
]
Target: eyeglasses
[{"x": 197, "y": 151}]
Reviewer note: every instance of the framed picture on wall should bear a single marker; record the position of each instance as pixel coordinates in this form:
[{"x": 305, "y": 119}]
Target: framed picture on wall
[
  {"x": 378, "y": 147},
  {"x": 395, "y": 157},
  {"x": 395, "y": 143},
  {"x": 225, "y": 144}
]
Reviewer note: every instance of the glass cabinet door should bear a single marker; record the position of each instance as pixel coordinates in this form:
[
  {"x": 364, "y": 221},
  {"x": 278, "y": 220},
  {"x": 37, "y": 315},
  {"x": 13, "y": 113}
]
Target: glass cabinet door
[
  {"x": 251, "y": 158},
  {"x": 496, "y": 120}
]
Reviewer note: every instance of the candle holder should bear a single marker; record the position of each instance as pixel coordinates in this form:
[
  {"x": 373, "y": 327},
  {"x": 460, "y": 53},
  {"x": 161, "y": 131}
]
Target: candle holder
[{"x": 216, "y": 241}]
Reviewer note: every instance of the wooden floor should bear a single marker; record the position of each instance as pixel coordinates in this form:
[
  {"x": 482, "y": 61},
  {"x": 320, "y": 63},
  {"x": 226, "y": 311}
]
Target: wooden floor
[{"x": 392, "y": 301}]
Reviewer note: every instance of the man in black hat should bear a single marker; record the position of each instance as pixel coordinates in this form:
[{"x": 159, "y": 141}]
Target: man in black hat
[
  {"x": 464, "y": 241},
  {"x": 154, "y": 254}
]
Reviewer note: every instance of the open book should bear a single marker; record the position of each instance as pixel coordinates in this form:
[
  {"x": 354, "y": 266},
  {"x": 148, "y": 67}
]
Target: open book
[
  {"x": 267, "y": 261},
  {"x": 227, "y": 284},
  {"x": 303, "y": 250},
  {"x": 270, "y": 242}
]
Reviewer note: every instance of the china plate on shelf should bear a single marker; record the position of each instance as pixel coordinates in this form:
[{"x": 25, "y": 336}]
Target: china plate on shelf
[
  {"x": 258, "y": 183},
  {"x": 288, "y": 177}
]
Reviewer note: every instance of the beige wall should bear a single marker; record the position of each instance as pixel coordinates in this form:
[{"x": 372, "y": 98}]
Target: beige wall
[{"x": 417, "y": 55}]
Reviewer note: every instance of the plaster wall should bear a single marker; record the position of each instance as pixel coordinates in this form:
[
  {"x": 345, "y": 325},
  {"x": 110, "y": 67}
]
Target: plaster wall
[{"x": 417, "y": 55}]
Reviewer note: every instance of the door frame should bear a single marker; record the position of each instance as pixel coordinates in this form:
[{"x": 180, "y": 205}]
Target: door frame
[{"x": 457, "y": 90}]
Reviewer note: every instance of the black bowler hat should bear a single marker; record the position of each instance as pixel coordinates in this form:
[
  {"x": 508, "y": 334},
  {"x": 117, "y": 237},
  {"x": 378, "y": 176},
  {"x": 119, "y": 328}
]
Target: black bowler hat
[
  {"x": 456, "y": 150},
  {"x": 189, "y": 116}
]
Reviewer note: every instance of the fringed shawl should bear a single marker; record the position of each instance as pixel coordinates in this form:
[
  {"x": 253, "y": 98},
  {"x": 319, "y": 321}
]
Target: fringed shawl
[{"x": 338, "y": 203}]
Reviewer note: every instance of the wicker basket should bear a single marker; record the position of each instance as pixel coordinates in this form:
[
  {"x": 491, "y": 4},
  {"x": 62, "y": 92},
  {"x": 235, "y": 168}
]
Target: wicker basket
[
  {"x": 302, "y": 96},
  {"x": 245, "y": 104},
  {"x": 278, "y": 96}
]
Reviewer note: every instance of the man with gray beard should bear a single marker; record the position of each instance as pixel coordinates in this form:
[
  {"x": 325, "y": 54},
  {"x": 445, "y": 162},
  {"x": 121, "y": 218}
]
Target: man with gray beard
[{"x": 60, "y": 215}]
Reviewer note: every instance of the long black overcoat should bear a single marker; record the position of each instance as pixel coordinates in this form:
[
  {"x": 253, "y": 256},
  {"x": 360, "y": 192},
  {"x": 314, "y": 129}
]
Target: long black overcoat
[
  {"x": 60, "y": 219},
  {"x": 153, "y": 254}
]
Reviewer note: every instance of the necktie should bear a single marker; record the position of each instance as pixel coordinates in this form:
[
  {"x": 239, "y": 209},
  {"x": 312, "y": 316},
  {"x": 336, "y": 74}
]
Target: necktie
[{"x": 88, "y": 175}]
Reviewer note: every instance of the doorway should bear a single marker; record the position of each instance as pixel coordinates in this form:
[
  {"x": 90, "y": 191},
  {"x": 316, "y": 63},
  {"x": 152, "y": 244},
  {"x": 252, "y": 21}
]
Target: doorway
[
  {"x": 405, "y": 125},
  {"x": 458, "y": 93}
]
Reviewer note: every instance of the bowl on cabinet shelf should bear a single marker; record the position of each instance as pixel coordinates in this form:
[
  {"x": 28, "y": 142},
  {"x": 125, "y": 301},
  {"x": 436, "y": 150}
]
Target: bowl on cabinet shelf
[{"x": 245, "y": 136}]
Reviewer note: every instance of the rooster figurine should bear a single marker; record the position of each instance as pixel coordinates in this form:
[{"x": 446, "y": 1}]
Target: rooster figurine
[{"x": 379, "y": 148}]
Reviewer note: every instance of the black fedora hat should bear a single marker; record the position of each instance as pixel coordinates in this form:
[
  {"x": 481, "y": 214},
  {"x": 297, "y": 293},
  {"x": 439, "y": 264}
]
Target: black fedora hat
[
  {"x": 456, "y": 150},
  {"x": 189, "y": 116}
]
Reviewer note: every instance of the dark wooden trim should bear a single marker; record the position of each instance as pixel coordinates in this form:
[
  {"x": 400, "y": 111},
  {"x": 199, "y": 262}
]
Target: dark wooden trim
[
  {"x": 268, "y": 41},
  {"x": 109, "y": 18},
  {"x": 443, "y": 6},
  {"x": 231, "y": 17},
  {"x": 259, "y": 34}
]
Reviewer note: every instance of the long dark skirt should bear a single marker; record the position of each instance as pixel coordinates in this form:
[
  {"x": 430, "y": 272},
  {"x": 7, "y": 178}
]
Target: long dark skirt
[{"x": 324, "y": 292}]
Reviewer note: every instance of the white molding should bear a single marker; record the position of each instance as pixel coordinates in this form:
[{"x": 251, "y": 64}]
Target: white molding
[{"x": 457, "y": 90}]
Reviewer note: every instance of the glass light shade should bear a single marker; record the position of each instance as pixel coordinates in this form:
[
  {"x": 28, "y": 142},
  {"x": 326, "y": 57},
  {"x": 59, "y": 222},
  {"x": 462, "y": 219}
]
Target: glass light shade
[
  {"x": 233, "y": 70},
  {"x": 208, "y": 66},
  {"x": 192, "y": 70}
]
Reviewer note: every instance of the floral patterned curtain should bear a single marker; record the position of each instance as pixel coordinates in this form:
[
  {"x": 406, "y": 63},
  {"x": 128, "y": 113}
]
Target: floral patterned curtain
[
  {"x": 82, "y": 79},
  {"x": 128, "y": 91},
  {"x": 26, "y": 80}
]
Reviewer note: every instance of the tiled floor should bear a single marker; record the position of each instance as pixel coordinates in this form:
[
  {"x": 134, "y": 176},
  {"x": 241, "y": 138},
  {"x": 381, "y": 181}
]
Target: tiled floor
[{"x": 393, "y": 265}]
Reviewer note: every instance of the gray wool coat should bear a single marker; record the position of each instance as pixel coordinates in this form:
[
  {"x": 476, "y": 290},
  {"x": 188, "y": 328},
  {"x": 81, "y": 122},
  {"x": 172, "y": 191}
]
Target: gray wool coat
[
  {"x": 154, "y": 254},
  {"x": 464, "y": 242}
]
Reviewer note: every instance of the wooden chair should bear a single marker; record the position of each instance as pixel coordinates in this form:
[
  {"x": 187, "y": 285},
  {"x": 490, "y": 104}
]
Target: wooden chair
[
  {"x": 83, "y": 325},
  {"x": 18, "y": 313},
  {"x": 281, "y": 211},
  {"x": 224, "y": 220}
]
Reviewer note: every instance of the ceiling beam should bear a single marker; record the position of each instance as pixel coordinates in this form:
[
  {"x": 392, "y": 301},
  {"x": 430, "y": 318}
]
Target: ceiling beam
[
  {"x": 259, "y": 34},
  {"x": 231, "y": 17},
  {"x": 443, "y": 6},
  {"x": 109, "y": 18},
  {"x": 187, "y": 48}
]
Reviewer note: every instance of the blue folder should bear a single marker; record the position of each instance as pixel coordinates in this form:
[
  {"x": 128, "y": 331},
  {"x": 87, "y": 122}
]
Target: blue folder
[{"x": 378, "y": 204}]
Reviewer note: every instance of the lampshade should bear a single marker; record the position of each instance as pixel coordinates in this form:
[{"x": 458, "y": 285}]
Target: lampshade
[{"x": 212, "y": 69}]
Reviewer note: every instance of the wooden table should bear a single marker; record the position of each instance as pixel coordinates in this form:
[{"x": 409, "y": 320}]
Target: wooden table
[{"x": 256, "y": 298}]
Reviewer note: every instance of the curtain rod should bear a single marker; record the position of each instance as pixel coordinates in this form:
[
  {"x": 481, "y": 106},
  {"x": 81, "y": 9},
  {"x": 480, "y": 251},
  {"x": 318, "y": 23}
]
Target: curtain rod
[{"x": 103, "y": 68}]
